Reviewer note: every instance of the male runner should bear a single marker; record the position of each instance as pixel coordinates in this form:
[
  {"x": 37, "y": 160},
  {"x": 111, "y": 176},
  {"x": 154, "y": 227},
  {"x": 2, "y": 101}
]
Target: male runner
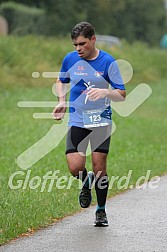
[{"x": 95, "y": 80}]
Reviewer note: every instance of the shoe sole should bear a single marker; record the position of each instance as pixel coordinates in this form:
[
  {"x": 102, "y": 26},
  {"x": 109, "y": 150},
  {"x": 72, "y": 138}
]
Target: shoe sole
[{"x": 100, "y": 224}]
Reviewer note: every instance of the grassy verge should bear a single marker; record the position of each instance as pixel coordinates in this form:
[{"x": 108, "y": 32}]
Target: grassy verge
[{"x": 138, "y": 143}]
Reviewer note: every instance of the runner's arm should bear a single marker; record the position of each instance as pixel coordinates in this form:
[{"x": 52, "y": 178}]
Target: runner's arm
[
  {"x": 60, "y": 109},
  {"x": 61, "y": 90},
  {"x": 116, "y": 95}
]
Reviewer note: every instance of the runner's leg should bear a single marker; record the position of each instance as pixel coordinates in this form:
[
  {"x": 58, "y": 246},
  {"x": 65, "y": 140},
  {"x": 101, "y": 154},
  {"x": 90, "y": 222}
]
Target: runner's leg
[
  {"x": 99, "y": 163},
  {"x": 76, "y": 162}
]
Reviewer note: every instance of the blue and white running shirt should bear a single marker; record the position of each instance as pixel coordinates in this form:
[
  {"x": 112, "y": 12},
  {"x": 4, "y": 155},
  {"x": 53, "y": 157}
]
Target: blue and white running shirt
[{"x": 83, "y": 74}]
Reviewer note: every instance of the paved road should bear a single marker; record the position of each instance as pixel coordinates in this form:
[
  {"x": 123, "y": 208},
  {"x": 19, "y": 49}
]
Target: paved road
[{"x": 138, "y": 222}]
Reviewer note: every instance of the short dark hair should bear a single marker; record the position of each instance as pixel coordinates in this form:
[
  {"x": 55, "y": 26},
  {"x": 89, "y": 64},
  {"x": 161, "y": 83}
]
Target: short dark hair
[{"x": 84, "y": 29}]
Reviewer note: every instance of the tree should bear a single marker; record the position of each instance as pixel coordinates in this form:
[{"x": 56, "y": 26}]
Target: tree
[
  {"x": 141, "y": 20},
  {"x": 35, "y": 3},
  {"x": 129, "y": 19}
]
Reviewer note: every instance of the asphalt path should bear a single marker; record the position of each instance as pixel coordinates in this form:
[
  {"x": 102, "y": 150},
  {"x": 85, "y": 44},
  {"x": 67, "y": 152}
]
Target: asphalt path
[{"x": 137, "y": 222}]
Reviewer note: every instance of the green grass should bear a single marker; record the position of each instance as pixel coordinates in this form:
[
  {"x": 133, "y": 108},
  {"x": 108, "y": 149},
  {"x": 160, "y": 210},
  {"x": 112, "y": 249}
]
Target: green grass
[{"x": 139, "y": 143}]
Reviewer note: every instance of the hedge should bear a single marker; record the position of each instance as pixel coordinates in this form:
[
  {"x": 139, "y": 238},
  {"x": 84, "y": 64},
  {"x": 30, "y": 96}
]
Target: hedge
[{"x": 23, "y": 20}]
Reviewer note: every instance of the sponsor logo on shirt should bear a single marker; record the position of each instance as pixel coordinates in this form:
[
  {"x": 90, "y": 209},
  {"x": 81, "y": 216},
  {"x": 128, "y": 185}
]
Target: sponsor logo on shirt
[
  {"x": 81, "y": 68},
  {"x": 98, "y": 73},
  {"x": 81, "y": 73}
]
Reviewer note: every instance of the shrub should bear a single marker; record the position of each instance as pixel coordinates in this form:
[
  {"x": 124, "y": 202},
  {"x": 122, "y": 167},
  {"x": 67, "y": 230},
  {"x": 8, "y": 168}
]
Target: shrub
[{"x": 23, "y": 20}]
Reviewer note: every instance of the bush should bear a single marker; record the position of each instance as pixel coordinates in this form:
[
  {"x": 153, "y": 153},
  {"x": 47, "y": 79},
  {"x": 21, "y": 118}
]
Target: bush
[{"x": 23, "y": 20}]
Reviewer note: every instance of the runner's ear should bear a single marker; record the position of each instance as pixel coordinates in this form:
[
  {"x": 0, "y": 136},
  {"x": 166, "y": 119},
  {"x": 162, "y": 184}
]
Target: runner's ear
[{"x": 93, "y": 38}]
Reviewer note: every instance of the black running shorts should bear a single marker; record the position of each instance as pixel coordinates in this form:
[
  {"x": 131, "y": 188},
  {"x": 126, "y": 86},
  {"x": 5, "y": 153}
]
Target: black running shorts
[{"x": 78, "y": 139}]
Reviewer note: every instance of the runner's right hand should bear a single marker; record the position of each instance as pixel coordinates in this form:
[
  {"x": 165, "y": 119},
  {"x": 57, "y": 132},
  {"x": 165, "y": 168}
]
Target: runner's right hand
[{"x": 59, "y": 111}]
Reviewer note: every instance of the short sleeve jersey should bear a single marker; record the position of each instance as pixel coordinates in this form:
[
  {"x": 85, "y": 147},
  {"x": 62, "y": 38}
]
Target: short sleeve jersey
[{"x": 102, "y": 72}]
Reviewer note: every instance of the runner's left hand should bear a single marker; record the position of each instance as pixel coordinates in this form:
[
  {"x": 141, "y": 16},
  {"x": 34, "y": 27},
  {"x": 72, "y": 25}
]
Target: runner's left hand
[{"x": 95, "y": 94}]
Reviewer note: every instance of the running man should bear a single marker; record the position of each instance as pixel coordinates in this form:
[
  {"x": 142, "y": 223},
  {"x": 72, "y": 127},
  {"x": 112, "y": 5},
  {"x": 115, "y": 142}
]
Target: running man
[{"x": 95, "y": 80}]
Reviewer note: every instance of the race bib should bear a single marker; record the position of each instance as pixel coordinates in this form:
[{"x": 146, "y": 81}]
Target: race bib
[{"x": 96, "y": 118}]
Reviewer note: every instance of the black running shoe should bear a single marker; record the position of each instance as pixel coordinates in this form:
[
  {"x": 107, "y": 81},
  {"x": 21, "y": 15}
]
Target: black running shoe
[
  {"x": 85, "y": 196},
  {"x": 101, "y": 219}
]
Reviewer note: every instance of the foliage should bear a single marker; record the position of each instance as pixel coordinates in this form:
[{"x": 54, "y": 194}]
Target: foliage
[
  {"x": 130, "y": 19},
  {"x": 141, "y": 20},
  {"x": 38, "y": 53},
  {"x": 22, "y": 19}
]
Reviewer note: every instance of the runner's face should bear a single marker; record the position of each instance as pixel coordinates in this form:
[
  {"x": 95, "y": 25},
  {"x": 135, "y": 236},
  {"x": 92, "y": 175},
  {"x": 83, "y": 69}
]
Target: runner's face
[{"x": 84, "y": 46}]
